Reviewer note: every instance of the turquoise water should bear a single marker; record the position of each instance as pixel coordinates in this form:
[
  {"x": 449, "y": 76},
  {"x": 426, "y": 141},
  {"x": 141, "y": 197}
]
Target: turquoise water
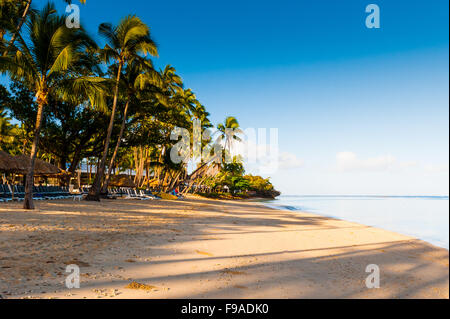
[{"x": 423, "y": 217}]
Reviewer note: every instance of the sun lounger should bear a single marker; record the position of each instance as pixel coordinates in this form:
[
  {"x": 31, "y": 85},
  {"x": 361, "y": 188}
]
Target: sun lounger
[
  {"x": 5, "y": 193},
  {"x": 148, "y": 195},
  {"x": 132, "y": 194}
]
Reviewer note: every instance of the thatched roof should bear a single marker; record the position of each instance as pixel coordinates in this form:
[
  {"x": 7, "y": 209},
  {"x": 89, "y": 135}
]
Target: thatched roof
[
  {"x": 121, "y": 180},
  {"x": 8, "y": 163},
  {"x": 40, "y": 168}
]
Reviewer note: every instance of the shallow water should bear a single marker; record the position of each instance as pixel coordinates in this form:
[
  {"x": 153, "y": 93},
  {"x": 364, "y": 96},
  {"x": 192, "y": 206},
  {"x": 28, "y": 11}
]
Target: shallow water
[{"x": 423, "y": 217}]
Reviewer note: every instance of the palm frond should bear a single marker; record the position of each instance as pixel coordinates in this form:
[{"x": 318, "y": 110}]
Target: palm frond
[{"x": 79, "y": 89}]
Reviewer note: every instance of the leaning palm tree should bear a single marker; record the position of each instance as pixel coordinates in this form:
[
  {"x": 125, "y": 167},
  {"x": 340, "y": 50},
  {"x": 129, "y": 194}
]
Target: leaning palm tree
[
  {"x": 125, "y": 42},
  {"x": 46, "y": 61}
]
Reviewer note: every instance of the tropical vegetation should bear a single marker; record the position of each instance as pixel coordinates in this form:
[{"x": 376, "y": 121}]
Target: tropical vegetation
[{"x": 107, "y": 109}]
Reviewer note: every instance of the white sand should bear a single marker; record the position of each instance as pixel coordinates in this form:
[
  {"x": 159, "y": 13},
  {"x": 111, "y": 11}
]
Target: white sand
[{"x": 199, "y": 248}]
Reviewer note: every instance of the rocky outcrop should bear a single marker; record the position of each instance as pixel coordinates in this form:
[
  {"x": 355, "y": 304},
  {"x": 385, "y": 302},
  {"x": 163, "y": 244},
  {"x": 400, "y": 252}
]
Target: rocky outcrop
[{"x": 267, "y": 193}]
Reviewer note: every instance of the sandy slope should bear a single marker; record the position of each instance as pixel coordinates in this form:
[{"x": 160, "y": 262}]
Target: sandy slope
[{"x": 200, "y": 248}]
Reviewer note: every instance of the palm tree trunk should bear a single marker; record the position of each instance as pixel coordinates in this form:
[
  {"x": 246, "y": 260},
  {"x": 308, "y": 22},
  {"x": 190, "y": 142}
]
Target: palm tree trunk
[
  {"x": 94, "y": 192},
  {"x": 79, "y": 178},
  {"x": 75, "y": 160},
  {"x": 19, "y": 26},
  {"x": 113, "y": 158},
  {"x": 141, "y": 164},
  {"x": 175, "y": 180},
  {"x": 135, "y": 157},
  {"x": 188, "y": 188},
  {"x": 28, "y": 200}
]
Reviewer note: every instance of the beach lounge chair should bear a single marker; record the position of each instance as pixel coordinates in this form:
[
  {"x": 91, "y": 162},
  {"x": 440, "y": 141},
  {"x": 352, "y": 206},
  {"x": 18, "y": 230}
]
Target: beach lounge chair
[
  {"x": 19, "y": 192},
  {"x": 148, "y": 195},
  {"x": 5, "y": 193},
  {"x": 132, "y": 194},
  {"x": 139, "y": 195},
  {"x": 112, "y": 193},
  {"x": 129, "y": 194}
]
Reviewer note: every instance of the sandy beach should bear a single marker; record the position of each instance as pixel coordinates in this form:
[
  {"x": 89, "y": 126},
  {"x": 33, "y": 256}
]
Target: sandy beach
[{"x": 200, "y": 248}]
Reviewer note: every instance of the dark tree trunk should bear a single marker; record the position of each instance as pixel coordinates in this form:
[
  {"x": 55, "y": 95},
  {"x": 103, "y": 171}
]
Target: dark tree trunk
[
  {"x": 94, "y": 192},
  {"x": 75, "y": 160},
  {"x": 113, "y": 158},
  {"x": 28, "y": 200},
  {"x": 64, "y": 180},
  {"x": 19, "y": 26}
]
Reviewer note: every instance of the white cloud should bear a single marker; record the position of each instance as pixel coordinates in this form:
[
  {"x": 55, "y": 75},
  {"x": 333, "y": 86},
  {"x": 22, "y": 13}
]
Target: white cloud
[
  {"x": 263, "y": 157},
  {"x": 288, "y": 161},
  {"x": 348, "y": 161},
  {"x": 437, "y": 168}
]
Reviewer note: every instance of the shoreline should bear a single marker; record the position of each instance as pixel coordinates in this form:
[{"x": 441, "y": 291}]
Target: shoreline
[
  {"x": 355, "y": 222},
  {"x": 440, "y": 241},
  {"x": 202, "y": 248}
]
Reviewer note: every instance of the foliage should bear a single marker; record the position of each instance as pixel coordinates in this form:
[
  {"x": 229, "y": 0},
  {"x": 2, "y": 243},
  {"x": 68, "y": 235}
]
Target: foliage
[
  {"x": 232, "y": 177},
  {"x": 67, "y": 99}
]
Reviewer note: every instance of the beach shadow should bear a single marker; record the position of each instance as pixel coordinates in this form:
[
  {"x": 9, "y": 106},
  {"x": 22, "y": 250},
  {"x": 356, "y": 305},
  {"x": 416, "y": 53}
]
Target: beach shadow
[{"x": 35, "y": 245}]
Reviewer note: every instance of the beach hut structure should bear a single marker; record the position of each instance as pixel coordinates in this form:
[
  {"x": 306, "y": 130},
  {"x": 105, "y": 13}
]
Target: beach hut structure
[
  {"x": 41, "y": 168},
  {"x": 8, "y": 163},
  {"x": 19, "y": 165}
]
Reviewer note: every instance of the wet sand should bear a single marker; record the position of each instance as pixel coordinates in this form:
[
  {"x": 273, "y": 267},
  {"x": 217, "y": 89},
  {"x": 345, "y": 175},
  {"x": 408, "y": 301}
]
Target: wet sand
[{"x": 201, "y": 248}]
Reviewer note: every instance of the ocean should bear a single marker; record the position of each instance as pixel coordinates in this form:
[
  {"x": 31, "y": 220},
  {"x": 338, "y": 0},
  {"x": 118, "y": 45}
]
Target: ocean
[{"x": 423, "y": 217}]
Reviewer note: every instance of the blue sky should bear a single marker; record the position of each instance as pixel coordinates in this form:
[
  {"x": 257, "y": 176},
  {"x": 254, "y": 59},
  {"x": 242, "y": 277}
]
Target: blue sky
[{"x": 359, "y": 111}]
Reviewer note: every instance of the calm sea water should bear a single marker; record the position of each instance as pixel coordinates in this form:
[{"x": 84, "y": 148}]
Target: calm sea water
[{"x": 423, "y": 217}]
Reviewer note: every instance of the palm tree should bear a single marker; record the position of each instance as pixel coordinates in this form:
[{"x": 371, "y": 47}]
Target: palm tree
[
  {"x": 8, "y": 131},
  {"x": 172, "y": 82},
  {"x": 139, "y": 75},
  {"x": 227, "y": 132},
  {"x": 9, "y": 15},
  {"x": 126, "y": 41},
  {"x": 46, "y": 61},
  {"x": 22, "y": 20},
  {"x": 19, "y": 27}
]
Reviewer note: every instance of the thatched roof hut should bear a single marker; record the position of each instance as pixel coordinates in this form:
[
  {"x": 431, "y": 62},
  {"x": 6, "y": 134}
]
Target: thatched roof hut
[
  {"x": 40, "y": 168},
  {"x": 121, "y": 180},
  {"x": 8, "y": 163}
]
